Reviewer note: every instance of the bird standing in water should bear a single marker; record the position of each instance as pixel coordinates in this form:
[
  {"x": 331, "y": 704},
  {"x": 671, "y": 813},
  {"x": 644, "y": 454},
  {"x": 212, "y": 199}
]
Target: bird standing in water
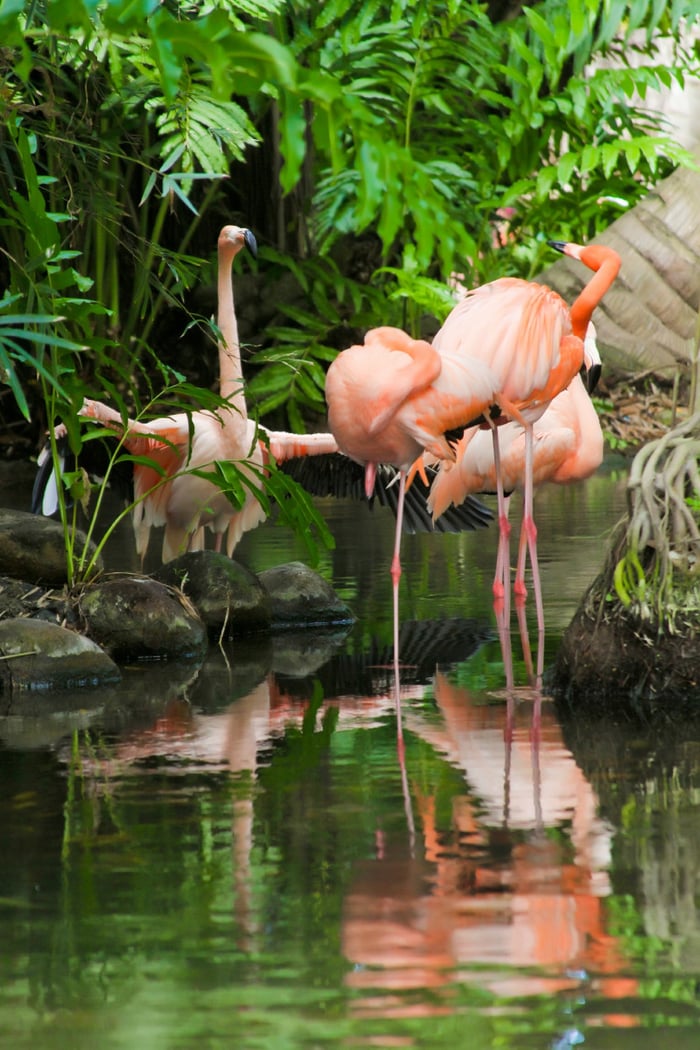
[
  {"x": 567, "y": 446},
  {"x": 166, "y": 492},
  {"x": 393, "y": 397},
  {"x": 533, "y": 343}
]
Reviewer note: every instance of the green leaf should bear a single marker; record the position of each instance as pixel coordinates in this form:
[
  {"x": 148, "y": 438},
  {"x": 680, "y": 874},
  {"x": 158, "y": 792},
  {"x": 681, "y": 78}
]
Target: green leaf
[{"x": 292, "y": 140}]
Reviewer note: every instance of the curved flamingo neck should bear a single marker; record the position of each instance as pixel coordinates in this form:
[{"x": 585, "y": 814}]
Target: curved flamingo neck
[
  {"x": 606, "y": 263},
  {"x": 230, "y": 368}
]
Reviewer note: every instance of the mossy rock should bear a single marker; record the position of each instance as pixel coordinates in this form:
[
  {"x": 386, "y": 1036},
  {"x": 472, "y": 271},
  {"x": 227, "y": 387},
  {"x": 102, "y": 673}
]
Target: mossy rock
[
  {"x": 299, "y": 597},
  {"x": 33, "y": 548},
  {"x": 227, "y": 596},
  {"x": 136, "y": 617},
  {"x": 38, "y": 656}
]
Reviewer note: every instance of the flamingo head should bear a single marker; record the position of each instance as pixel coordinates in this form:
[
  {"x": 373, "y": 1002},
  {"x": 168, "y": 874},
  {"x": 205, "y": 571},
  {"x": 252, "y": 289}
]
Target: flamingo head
[{"x": 233, "y": 238}]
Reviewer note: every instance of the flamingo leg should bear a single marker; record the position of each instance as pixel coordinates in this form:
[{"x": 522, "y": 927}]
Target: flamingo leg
[
  {"x": 501, "y": 580},
  {"x": 530, "y": 529},
  {"x": 395, "y": 578},
  {"x": 525, "y": 643},
  {"x": 508, "y": 728},
  {"x": 519, "y": 587}
]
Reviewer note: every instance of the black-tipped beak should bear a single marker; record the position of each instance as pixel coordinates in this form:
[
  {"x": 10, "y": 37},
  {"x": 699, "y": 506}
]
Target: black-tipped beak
[
  {"x": 591, "y": 376},
  {"x": 558, "y": 245},
  {"x": 250, "y": 243}
]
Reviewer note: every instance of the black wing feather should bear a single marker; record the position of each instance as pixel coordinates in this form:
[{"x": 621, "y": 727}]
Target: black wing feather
[{"x": 333, "y": 474}]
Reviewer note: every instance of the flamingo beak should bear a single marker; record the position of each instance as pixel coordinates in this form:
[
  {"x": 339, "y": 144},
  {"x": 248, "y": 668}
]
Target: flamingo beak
[
  {"x": 250, "y": 243},
  {"x": 592, "y": 366},
  {"x": 559, "y": 246},
  {"x": 592, "y": 376}
]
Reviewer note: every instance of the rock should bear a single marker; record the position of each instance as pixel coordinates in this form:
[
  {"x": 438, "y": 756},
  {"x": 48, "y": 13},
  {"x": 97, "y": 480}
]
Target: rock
[
  {"x": 299, "y": 597},
  {"x": 135, "y": 617},
  {"x": 36, "y": 655},
  {"x": 33, "y": 548},
  {"x": 225, "y": 593}
]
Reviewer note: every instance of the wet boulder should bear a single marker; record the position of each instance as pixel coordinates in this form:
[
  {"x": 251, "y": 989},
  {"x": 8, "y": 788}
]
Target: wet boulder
[
  {"x": 299, "y": 597},
  {"x": 227, "y": 596},
  {"x": 136, "y": 617},
  {"x": 33, "y": 548},
  {"x": 39, "y": 656}
]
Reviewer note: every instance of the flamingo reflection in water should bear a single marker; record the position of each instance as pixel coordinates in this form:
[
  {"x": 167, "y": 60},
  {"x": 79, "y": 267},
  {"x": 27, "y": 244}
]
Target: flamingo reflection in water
[
  {"x": 501, "y": 892},
  {"x": 484, "y": 896}
]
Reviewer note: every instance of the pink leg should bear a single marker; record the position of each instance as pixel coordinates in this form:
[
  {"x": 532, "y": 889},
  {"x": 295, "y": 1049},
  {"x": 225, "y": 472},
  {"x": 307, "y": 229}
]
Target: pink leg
[
  {"x": 530, "y": 530},
  {"x": 519, "y": 587},
  {"x": 502, "y": 574},
  {"x": 535, "y": 681},
  {"x": 506, "y": 649},
  {"x": 395, "y": 577},
  {"x": 525, "y": 642},
  {"x": 501, "y": 581},
  {"x": 103, "y": 413},
  {"x": 507, "y": 654}
]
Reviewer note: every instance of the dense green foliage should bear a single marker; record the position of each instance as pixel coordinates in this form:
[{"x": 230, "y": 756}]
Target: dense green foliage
[
  {"x": 410, "y": 123},
  {"x": 386, "y": 135}
]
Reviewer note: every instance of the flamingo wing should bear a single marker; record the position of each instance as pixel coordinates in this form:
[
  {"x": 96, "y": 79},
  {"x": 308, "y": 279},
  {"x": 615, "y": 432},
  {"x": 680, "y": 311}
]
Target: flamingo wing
[{"x": 341, "y": 478}]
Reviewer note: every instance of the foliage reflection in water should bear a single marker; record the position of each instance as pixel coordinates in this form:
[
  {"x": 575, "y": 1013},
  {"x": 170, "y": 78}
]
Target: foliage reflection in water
[{"x": 229, "y": 855}]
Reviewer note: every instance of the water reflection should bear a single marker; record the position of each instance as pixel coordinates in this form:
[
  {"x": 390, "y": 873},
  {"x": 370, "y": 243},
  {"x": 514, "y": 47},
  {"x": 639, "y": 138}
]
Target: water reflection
[
  {"x": 498, "y": 886},
  {"x": 493, "y": 890},
  {"x": 242, "y": 850}
]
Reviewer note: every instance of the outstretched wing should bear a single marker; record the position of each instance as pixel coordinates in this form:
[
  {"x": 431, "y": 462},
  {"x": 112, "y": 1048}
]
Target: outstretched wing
[{"x": 337, "y": 475}]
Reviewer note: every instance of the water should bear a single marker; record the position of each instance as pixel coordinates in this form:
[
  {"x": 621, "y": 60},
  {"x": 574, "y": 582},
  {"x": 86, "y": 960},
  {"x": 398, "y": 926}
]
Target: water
[{"x": 229, "y": 855}]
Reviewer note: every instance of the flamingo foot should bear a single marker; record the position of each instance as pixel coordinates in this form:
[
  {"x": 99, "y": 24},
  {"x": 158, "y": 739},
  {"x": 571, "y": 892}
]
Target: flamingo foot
[{"x": 395, "y": 570}]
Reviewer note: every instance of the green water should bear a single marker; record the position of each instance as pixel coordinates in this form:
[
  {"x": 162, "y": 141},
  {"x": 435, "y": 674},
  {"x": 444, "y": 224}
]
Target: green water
[{"x": 232, "y": 855}]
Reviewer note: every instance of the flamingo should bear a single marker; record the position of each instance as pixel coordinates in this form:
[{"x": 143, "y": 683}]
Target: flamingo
[
  {"x": 166, "y": 493},
  {"x": 393, "y": 397},
  {"x": 567, "y": 446},
  {"x": 534, "y": 344}
]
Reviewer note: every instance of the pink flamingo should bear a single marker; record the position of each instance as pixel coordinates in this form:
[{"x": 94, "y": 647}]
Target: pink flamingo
[
  {"x": 393, "y": 397},
  {"x": 166, "y": 492},
  {"x": 567, "y": 446},
  {"x": 534, "y": 345}
]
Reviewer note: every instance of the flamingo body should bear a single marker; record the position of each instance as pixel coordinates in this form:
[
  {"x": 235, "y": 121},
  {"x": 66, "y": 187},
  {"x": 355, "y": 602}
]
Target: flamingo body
[
  {"x": 391, "y": 399},
  {"x": 394, "y": 397},
  {"x": 186, "y": 504},
  {"x": 522, "y": 331},
  {"x": 534, "y": 344},
  {"x": 166, "y": 492},
  {"x": 567, "y": 445}
]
